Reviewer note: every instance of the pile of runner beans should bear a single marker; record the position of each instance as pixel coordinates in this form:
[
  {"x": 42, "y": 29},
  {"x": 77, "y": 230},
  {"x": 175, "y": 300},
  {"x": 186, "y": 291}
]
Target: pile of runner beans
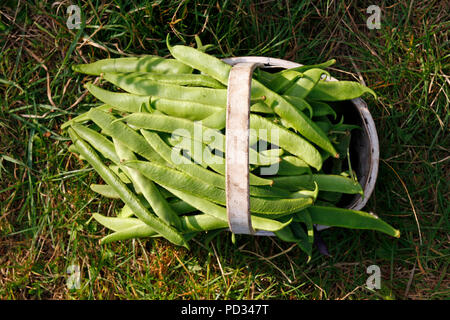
[{"x": 158, "y": 144}]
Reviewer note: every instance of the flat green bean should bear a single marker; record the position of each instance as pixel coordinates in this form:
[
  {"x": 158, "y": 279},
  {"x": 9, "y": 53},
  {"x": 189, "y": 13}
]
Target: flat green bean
[
  {"x": 120, "y": 131},
  {"x": 125, "y": 194},
  {"x": 346, "y": 218},
  {"x": 287, "y": 140},
  {"x": 196, "y": 171},
  {"x": 214, "y": 138},
  {"x": 219, "y": 212},
  {"x": 184, "y": 109},
  {"x": 194, "y": 80},
  {"x": 130, "y": 228},
  {"x": 291, "y": 165},
  {"x": 105, "y": 190},
  {"x": 326, "y": 182},
  {"x": 284, "y": 80},
  {"x": 321, "y": 109},
  {"x": 305, "y": 84},
  {"x": 98, "y": 141},
  {"x": 338, "y": 91},
  {"x": 220, "y": 71},
  {"x": 170, "y": 178},
  {"x": 214, "y": 161},
  {"x": 146, "y": 63},
  {"x": 121, "y": 101},
  {"x": 199, "y": 60},
  {"x": 84, "y": 117},
  {"x": 145, "y": 87},
  {"x": 150, "y": 192}
]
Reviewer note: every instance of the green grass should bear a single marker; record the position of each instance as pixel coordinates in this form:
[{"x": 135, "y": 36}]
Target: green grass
[{"x": 45, "y": 200}]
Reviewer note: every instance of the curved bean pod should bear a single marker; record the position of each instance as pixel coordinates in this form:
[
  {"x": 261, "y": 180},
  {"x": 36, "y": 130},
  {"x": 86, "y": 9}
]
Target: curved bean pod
[
  {"x": 121, "y": 101},
  {"x": 130, "y": 228},
  {"x": 305, "y": 84},
  {"x": 98, "y": 141},
  {"x": 192, "y": 129},
  {"x": 120, "y": 131},
  {"x": 173, "y": 179},
  {"x": 214, "y": 161},
  {"x": 346, "y": 218},
  {"x": 284, "y": 80},
  {"x": 261, "y": 107},
  {"x": 184, "y": 109},
  {"x": 84, "y": 117},
  {"x": 321, "y": 109},
  {"x": 105, "y": 190},
  {"x": 194, "y": 80},
  {"x": 219, "y": 212},
  {"x": 306, "y": 67},
  {"x": 292, "y": 166},
  {"x": 147, "y": 188},
  {"x": 338, "y": 91},
  {"x": 216, "y": 120},
  {"x": 179, "y": 206},
  {"x": 145, "y": 87},
  {"x": 146, "y": 63},
  {"x": 326, "y": 182},
  {"x": 300, "y": 104},
  {"x": 287, "y": 140},
  {"x": 125, "y": 194},
  {"x": 199, "y": 60}
]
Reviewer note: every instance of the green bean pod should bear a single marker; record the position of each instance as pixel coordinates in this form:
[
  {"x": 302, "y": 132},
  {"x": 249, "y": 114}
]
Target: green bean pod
[
  {"x": 170, "y": 178},
  {"x": 321, "y": 109},
  {"x": 284, "y": 80},
  {"x": 338, "y": 91},
  {"x": 146, "y": 63},
  {"x": 326, "y": 182},
  {"x": 293, "y": 166},
  {"x": 220, "y": 212},
  {"x": 206, "y": 63},
  {"x": 120, "y": 131},
  {"x": 186, "y": 128},
  {"x": 125, "y": 194},
  {"x": 105, "y": 190},
  {"x": 138, "y": 85},
  {"x": 98, "y": 141},
  {"x": 184, "y": 109},
  {"x": 150, "y": 192},
  {"x": 84, "y": 117},
  {"x": 193, "y": 80},
  {"x": 306, "y": 67},
  {"x": 305, "y": 84},
  {"x": 130, "y": 228},
  {"x": 287, "y": 140},
  {"x": 121, "y": 101},
  {"x": 183, "y": 164},
  {"x": 214, "y": 161},
  {"x": 346, "y": 218}
]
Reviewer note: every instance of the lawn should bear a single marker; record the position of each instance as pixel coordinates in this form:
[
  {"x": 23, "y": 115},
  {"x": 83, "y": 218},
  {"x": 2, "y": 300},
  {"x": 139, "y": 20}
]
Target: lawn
[{"x": 48, "y": 237}]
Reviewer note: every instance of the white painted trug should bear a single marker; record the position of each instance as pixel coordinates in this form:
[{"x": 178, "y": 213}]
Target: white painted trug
[{"x": 368, "y": 126}]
